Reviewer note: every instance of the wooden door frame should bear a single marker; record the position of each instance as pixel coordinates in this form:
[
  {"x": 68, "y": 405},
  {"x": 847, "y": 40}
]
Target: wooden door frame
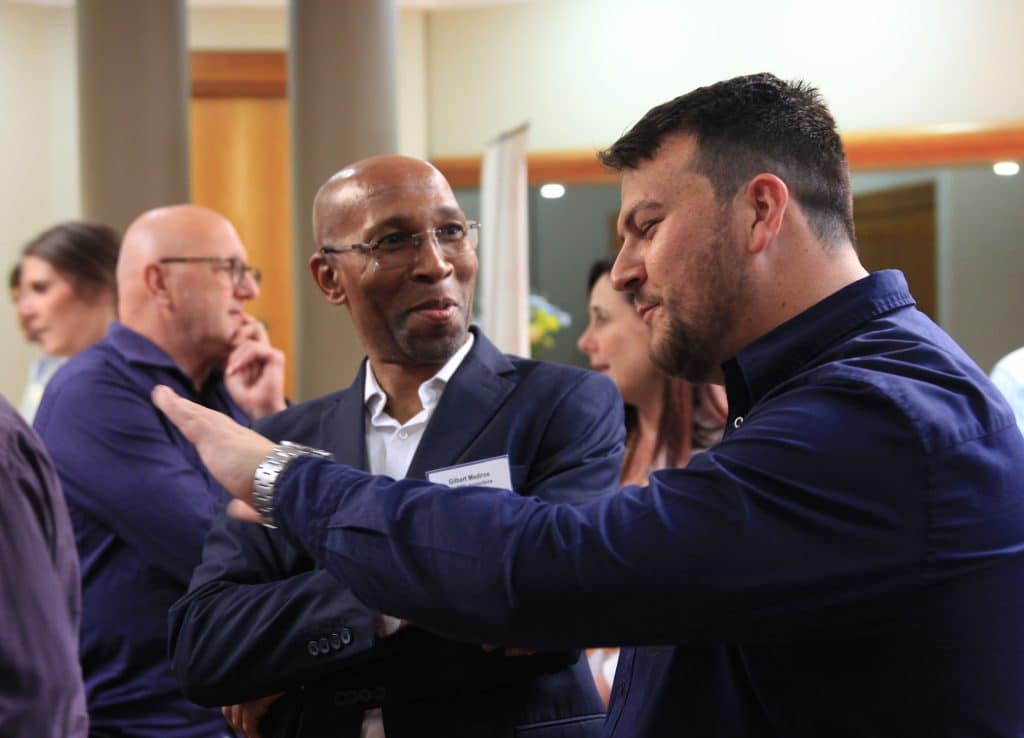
[{"x": 238, "y": 74}]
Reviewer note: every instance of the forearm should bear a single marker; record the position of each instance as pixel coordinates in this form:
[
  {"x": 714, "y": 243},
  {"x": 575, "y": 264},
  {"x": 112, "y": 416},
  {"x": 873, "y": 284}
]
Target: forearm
[
  {"x": 232, "y": 642},
  {"x": 414, "y": 665}
]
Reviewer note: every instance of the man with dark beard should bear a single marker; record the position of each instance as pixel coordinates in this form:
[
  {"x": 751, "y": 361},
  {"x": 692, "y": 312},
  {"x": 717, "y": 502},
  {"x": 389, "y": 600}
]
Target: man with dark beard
[
  {"x": 847, "y": 561},
  {"x": 434, "y": 400}
]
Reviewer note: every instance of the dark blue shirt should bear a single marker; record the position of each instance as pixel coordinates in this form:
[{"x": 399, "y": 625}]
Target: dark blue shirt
[
  {"x": 848, "y": 561},
  {"x": 141, "y": 503}
]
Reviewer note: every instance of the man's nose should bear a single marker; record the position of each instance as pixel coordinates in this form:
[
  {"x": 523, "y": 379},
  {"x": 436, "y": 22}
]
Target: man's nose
[
  {"x": 248, "y": 288},
  {"x": 628, "y": 272},
  {"x": 430, "y": 260}
]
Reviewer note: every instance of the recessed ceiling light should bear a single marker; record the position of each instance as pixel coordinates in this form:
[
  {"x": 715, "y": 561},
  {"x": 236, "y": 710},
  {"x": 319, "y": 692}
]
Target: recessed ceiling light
[
  {"x": 1006, "y": 168},
  {"x": 552, "y": 191}
]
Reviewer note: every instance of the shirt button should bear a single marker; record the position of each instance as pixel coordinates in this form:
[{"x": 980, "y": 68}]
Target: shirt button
[
  {"x": 346, "y": 636},
  {"x": 313, "y": 649},
  {"x": 323, "y": 645},
  {"x": 403, "y": 434}
]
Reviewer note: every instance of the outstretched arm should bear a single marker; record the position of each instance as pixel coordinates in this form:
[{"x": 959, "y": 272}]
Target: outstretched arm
[{"x": 743, "y": 543}]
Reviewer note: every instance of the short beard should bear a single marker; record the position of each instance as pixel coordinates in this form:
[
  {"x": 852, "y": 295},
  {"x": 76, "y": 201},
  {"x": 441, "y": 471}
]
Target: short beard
[
  {"x": 684, "y": 353},
  {"x": 693, "y": 350}
]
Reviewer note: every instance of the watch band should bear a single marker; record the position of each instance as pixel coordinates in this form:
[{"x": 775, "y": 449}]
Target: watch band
[{"x": 269, "y": 471}]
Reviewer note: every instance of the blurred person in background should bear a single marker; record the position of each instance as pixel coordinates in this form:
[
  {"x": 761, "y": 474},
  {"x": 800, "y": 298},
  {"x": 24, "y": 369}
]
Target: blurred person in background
[
  {"x": 66, "y": 296},
  {"x": 1008, "y": 376},
  {"x": 41, "y": 693},
  {"x": 668, "y": 419},
  {"x": 14, "y": 287}
]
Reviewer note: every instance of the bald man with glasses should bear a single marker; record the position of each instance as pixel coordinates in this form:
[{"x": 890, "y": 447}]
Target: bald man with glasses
[
  {"x": 288, "y": 646},
  {"x": 139, "y": 498}
]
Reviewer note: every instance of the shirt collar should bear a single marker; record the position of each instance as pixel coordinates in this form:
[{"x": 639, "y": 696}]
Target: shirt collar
[
  {"x": 430, "y": 391},
  {"x": 138, "y": 349},
  {"x": 779, "y": 354}
]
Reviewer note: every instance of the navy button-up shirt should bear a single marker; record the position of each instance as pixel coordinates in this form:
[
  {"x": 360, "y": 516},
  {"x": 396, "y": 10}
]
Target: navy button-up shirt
[
  {"x": 141, "y": 503},
  {"x": 848, "y": 561}
]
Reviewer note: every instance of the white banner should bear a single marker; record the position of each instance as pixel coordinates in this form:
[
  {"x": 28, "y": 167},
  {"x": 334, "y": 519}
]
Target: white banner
[{"x": 504, "y": 287}]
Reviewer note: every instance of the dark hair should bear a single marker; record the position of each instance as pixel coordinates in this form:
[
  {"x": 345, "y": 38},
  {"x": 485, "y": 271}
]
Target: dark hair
[
  {"x": 678, "y": 432},
  {"x": 598, "y": 269},
  {"x": 14, "y": 278},
  {"x": 748, "y": 125},
  {"x": 83, "y": 251}
]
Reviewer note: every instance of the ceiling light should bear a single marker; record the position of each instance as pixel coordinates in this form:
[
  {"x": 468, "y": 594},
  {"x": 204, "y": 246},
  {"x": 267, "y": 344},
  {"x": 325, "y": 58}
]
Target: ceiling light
[
  {"x": 552, "y": 191},
  {"x": 1006, "y": 168}
]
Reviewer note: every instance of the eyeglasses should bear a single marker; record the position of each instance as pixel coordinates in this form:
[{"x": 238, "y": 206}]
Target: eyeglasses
[
  {"x": 400, "y": 249},
  {"x": 234, "y": 267}
]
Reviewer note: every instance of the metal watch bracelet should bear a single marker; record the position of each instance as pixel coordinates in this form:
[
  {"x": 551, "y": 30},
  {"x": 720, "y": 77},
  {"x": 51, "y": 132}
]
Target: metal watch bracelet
[{"x": 269, "y": 471}]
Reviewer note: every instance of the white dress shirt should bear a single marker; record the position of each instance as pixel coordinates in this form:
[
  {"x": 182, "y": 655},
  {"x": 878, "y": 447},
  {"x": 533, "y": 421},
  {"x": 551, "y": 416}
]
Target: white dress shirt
[{"x": 390, "y": 447}]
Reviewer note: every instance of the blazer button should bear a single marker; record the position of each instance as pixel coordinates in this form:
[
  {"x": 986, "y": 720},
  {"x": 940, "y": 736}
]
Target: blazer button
[
  {"x": 312, "y": 648},
  {"x": 335, "y": 641},
  {"x": 323, "y": 645},
  {"x": 346, "y": 636}
]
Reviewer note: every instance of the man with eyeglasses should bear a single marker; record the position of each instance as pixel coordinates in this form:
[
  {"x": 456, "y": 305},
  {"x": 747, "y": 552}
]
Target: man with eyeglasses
[
  {"x": 140, "y": 500},
  {"x": 434, "y": 400}
]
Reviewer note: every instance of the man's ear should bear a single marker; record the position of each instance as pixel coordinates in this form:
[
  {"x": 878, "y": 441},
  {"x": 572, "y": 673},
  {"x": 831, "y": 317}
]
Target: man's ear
[
  {"x": 155, "y": 281},
  {"x": 767, "y": 199},
  {"x": 327, "y": 279}
]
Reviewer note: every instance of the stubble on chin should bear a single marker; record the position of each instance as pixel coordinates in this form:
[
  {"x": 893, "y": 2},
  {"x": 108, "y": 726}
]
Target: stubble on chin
[
  {"x": 432, "y": 349},
  {"x": 682, "y": 353}
]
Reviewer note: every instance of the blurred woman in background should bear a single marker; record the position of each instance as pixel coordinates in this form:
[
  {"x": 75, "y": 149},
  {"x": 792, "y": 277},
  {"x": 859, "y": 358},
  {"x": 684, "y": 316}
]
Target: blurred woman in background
[
  {"x": 66, "y": 295},
  {"x": 668, "y": 419}
]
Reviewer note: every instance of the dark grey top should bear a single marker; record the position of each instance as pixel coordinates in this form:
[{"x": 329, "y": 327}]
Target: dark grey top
[{"x": 41, "y": 692}]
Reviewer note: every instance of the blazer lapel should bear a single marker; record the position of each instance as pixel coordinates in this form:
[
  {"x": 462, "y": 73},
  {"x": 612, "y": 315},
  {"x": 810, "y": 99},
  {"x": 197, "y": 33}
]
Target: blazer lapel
[
  {"x": 342, "y": 425},
  {"x": 474, "y": 394}
]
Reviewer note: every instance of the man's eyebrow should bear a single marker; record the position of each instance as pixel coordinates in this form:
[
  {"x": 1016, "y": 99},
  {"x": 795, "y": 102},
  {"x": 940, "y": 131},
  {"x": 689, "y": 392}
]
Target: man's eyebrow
[
  {"x": 403, "y": 221},
  {"x": 395, "y": 221},
  {"x": 451, "y": 212},
  {"x": 629, "y": 220}
]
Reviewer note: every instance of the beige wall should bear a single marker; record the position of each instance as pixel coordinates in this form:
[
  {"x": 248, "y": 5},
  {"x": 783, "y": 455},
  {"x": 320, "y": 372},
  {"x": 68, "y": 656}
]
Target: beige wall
[
  {"x": 235, "y": 29},
  {"x": 413, "y": 102},
  {"x": 38, "y": 148},
  {"x": 582, "y": 71}
]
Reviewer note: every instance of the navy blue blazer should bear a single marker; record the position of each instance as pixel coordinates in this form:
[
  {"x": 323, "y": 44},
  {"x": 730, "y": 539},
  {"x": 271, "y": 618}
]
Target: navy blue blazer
[{"x": 260, "y": 618}]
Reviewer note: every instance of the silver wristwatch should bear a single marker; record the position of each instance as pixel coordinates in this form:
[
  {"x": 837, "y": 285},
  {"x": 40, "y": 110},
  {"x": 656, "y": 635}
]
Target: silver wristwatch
[{"x": 269, "y": 471}]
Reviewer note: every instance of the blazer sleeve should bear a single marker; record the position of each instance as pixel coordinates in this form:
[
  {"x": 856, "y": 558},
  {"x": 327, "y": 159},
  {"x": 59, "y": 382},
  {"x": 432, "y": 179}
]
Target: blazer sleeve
[
  {"x": 258, "y": 619},
  {"x": 580, "y": 453}
]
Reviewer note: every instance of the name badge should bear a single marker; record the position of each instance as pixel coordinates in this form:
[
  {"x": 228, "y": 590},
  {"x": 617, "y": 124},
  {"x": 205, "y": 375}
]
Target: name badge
[{"x": 492, "y": 472}]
